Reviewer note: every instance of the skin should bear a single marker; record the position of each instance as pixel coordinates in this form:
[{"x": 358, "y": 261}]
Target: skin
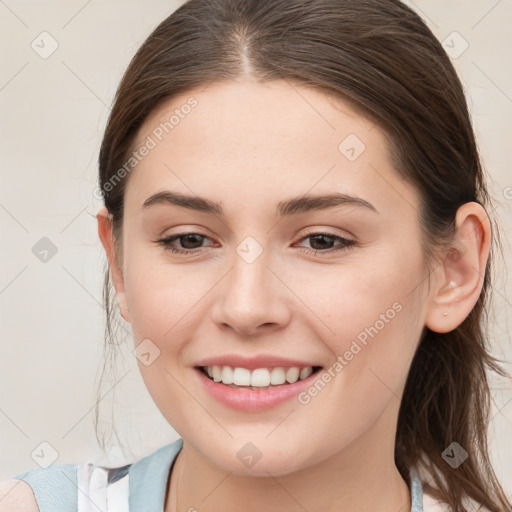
[{"x": 249, "y": 146}]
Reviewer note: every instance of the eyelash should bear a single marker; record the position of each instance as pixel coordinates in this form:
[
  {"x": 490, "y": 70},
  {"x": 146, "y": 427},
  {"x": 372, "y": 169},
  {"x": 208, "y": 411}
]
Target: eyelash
[{"x": 346, "y": 243}]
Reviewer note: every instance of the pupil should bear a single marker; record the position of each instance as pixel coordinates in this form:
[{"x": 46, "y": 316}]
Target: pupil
[
  {"x": 317, "y": 237},
  {"x": 189, "y": 237}
]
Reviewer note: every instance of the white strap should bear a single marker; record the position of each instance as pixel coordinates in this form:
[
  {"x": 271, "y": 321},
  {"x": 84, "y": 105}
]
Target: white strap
[
  {"x": 96, "y": 495},
  {"x": 118, "y": 495}
]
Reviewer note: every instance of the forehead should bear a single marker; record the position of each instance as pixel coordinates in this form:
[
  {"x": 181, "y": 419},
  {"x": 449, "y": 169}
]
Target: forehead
[
  {"x": 262, "y": 110},
  {"x": 270, "y": 138}
]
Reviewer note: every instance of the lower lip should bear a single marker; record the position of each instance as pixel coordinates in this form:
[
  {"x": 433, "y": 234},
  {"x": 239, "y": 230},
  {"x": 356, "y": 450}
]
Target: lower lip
[{"x": 251, "y": 400}]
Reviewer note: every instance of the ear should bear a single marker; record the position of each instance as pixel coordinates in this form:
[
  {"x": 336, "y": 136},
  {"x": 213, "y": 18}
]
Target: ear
[
  {"x": 462, "y": 270},
  {"x": 107, "y": 240}
]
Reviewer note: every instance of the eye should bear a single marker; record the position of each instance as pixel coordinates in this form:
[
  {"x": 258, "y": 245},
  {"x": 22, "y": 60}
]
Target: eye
[
  {"x": 193, "y": 242},
  {"x": 321, "y": 240},
  {"x": 187, "y": 239}
]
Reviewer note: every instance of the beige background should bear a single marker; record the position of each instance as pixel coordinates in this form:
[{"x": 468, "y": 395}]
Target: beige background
[{"x": 53, "y": 111}]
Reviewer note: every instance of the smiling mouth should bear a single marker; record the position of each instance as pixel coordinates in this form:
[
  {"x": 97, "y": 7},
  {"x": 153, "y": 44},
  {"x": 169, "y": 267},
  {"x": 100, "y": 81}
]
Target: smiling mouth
[{"x": 260, "y": 378}]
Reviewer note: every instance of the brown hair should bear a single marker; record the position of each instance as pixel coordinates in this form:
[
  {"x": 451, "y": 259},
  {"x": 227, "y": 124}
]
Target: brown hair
[{"x": 382, "y": 58}]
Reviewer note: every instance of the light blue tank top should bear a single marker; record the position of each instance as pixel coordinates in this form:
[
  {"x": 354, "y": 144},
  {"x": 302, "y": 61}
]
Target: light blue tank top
[{"x": 57, "y": 488}]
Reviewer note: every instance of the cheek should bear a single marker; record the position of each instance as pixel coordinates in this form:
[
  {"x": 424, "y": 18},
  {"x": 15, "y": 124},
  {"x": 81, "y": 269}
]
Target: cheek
[
  {"x": 161, "y": 297},
  {"x": 368, "y": 313}
]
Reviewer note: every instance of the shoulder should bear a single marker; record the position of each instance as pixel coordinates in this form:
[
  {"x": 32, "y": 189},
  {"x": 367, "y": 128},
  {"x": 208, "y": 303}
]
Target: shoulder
[
  {"x": 17, "y": 496},
  {"x": 52, "y": 488},
  {"x": 57, "y": 487}
]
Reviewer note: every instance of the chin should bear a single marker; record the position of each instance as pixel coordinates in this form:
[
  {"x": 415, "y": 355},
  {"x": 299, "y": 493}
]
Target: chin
[{"x": 260, "y": 457}]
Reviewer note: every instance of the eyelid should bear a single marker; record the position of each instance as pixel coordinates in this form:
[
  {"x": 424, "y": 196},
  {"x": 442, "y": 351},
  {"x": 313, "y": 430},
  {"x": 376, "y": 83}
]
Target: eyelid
[
  {"x": 303, "y": 232},
  {"x": 319, "y": 229},
  {"x": 344, "y": 244}
]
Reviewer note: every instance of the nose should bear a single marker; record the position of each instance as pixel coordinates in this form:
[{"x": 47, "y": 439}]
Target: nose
[{"x": 252, "y": 298}]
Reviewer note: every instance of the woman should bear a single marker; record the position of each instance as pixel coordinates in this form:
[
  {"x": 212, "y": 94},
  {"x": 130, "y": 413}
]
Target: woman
[{"x": 296, "y": 224}]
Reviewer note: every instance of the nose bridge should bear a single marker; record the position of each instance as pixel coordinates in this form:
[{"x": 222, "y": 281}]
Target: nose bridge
[{"x": 251, "y": 295}]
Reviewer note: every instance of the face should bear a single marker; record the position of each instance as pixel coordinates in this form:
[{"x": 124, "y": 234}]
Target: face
[{"x": 336, "y": 284}]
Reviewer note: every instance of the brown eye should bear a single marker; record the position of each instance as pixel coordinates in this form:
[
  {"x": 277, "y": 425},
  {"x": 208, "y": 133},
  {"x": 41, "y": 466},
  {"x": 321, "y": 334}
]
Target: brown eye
[
  {"x": 322, "y": 243},
  {"x": 189, "y": 242}
]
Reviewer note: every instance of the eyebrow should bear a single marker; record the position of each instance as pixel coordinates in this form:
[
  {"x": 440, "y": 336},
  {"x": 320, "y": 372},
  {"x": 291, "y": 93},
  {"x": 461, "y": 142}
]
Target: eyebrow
[{"x": 285, "y": 208}]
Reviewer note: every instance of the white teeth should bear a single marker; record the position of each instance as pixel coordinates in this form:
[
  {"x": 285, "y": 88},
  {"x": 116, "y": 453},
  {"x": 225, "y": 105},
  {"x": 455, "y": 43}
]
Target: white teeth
[
  {"x": 292, "y": 374},
  {"x": 217, "y": 374},
  {"x": 241, "y": 377},
  {"x": 305, "y": 372},
  {"x": 277, "y": 376},
  {"x": 227, "y": 375},
  {"x": 260, "y": 377}
]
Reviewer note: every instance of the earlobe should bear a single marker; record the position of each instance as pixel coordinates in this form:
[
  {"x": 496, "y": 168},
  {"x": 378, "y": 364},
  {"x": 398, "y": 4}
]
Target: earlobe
[
  {"x": 106, "y": 236},
  {"x": 462, "y": 270}
]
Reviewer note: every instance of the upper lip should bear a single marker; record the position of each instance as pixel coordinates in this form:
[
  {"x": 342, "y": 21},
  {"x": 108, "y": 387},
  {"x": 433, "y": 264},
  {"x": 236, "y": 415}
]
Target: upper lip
[{"x": 251, "y": 363}]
